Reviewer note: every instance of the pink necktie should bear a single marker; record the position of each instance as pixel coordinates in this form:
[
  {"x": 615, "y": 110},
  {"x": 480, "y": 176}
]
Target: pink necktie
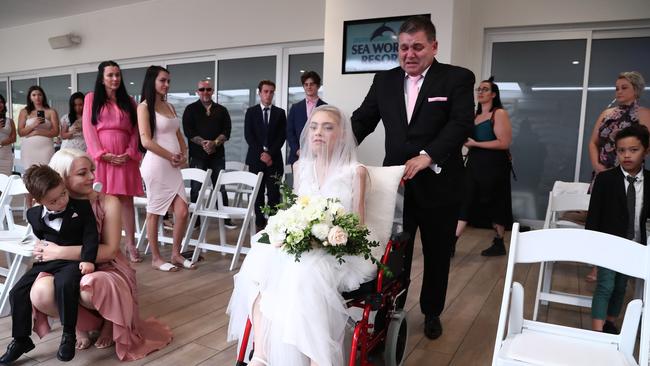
[{"x": 412, "y": 95}]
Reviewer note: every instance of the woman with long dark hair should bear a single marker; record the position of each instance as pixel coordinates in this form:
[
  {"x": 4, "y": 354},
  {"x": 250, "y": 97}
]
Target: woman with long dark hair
[
  {"x": 110, "y": 128},
  {"x": 38, "y": 124},
  {"x": 487, "y": 172},
  {"x": 7, "y": 138},
  {"x": 71, "y": 126},
  {"x": 161, "y": 136}
]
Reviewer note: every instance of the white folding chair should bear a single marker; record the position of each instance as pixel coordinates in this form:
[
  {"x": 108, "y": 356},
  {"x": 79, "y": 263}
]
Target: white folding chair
[
  {"x": 529, "y": 342},
  {"x": 10, "y": 237},
  {"x": 189, "y": 175},
  {"x": 565, "y": 196},
  {"x": 236, "y": 192},
  {"x": 216, "y": 209}
]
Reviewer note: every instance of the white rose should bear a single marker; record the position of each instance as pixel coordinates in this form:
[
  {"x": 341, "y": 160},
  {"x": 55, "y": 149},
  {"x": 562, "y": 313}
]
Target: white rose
[
  {"x": 337, "y": 236},
  {"x": 320, "y": 231}
]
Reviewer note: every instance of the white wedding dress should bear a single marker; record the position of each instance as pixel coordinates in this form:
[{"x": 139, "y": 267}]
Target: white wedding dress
[{"x": 304, "y": 314}]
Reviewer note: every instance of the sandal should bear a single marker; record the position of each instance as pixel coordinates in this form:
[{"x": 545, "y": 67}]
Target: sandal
[
  {"x": 187, "y": 264},
  {"x": 166, "y": 267}
]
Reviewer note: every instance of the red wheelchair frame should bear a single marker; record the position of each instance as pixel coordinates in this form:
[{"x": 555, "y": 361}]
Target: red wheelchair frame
[{"x": 384, "y": 295}]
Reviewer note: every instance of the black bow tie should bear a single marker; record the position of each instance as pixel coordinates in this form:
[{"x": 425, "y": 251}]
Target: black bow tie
[{"x": 55, "y": 215}]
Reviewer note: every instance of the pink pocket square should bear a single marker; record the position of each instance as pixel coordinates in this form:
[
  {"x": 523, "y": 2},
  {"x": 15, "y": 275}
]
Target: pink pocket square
[{"x": 437, "y": 99}]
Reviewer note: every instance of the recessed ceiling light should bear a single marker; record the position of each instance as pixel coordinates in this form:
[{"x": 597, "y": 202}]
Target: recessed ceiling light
[
  {"x": 302, "y": 71},
  {"x": 575, "y": 62},
  {"x": 131, "y": 83},
  {"x": 208, "y": 78}
]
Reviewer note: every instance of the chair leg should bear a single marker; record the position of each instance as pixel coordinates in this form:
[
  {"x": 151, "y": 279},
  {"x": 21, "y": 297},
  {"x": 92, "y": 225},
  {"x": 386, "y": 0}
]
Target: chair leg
[
  {"x": 188, "y": 233},
  {"x": 222, "y": 234},
  {"x": 240, "y": 241},
  {"x": 201, "y": 239},
  {"x": 142, "y": 237}
]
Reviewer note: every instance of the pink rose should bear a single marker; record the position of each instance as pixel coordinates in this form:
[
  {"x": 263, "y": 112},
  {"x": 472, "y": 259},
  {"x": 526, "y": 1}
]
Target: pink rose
[{"x": 337, "y": 236}]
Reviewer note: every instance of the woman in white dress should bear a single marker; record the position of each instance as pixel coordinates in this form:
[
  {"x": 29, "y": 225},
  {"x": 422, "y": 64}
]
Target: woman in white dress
[
  {"x": 7, "y": 139},
  {"x": 71, "y": 127},
  {"x": 297, "y": 310},
  {"x": 38, "y": 124}
]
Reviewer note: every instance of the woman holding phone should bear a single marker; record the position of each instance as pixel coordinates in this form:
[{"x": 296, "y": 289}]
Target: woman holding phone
[
  {"x": 71, "y": 128},
  {"x": 38, "y": 124},
  {"x": 7, "y": 138}
]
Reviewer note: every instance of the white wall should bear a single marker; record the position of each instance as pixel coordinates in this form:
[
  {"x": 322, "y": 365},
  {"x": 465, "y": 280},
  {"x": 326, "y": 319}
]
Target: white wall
[
  {"x": 520, "y": 13},
  {"x": 161, "y": 27},
  {"x": 347, "y": 91}
]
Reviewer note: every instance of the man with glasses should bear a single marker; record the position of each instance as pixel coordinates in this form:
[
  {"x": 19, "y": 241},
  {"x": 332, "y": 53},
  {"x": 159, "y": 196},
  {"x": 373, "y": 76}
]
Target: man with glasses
[
  {"x": 207, "y": 125},
  {"x": 300, "y": 112}
]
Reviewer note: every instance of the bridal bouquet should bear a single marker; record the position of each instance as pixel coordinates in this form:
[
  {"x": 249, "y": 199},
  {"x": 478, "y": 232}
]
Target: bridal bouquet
[{"x": 309, "y": 222}]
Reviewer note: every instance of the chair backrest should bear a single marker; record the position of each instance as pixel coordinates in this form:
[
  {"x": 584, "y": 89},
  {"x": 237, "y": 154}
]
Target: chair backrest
[
  {"x": 381, "y": 196},
  {"x": 11, "y": 182},
  {"x": 566, "y": 196},
  {"x": 195, "y": 174},
  {"x": 244, "y": 180},
  {"x": 235, "y": 166}
]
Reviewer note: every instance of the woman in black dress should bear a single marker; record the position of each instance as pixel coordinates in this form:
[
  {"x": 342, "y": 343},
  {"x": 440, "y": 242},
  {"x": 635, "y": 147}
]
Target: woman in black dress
[{"x": 487, "y": 172}]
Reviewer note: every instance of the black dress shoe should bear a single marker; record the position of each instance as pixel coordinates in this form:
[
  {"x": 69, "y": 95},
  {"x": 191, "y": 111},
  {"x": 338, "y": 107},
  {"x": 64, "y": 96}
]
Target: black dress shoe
[
  {"x": 432, "y": 326},
  {"x": 16, "y": 349},
  {"x": 498, "y": 248},
  {"x": 610, "y": 328},
  {"x": 67, "y": 347}
]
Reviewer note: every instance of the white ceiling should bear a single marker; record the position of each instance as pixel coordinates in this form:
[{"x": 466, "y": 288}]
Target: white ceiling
[{"x": 20, "y": 12}]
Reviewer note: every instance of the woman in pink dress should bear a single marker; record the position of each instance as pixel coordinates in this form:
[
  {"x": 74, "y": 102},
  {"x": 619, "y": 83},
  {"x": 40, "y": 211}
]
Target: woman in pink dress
[
  {"x": 38, "y": 124},
  {"x": 109, "y": 298},
  {"x": 160, "y": 134},
  {"x": 111, "y": 133}
]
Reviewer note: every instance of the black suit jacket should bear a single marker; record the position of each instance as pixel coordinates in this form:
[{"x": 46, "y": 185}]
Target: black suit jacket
[
  {"x": 259, "y": 136},
  {"x": 442, "y": 120},
  {"x": 78, "y": 230},
  {"x": 608, "y": 204}
]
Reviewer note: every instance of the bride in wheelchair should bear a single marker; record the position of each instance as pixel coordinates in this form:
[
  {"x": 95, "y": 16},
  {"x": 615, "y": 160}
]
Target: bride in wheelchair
[{"x": 296, "y": 308}]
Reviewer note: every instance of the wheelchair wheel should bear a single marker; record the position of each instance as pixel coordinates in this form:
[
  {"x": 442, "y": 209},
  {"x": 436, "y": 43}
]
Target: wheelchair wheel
[{"x": 396, "y": 338}]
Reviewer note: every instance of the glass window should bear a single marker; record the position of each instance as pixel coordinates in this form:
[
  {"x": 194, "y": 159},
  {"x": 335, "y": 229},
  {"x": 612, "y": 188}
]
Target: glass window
[
  {"x": 133, "y": 79},
  {"x": 541, "y": 87},
  {"x": 86, "y": 81},
  {"x": 19, "y": 95},
  {"x": 185, "y": 78},
  {"x": 609, "y": 57},
  {"x": 3, "y": 89},
  {"x": 57, "y": 88},
  {"x": 237, "y": 90},
  {"x": 298, "y": 64}
]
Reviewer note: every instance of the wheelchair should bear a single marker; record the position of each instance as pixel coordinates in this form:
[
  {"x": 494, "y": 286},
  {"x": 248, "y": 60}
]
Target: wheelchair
[{"x": 383, "y": 297}]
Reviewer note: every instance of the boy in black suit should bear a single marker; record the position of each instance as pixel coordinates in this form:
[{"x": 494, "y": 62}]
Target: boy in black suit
[
  {"x": 62, "y": 221},
  {"x": 618, "y": 207}
]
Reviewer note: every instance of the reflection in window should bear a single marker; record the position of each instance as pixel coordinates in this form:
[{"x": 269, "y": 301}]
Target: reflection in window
[
  {"x": 237, "y": 90},
  {"x": 545, "y": 119},
  {"x": 86, "y": 81},
  {"x": 57, "y": 89},
  {"x": 3, "y": 90},
  {"x": 184, "y": 80}
]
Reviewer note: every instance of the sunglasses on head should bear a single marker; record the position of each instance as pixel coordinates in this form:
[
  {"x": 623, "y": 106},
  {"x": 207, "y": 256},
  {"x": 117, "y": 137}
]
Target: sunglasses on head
[{"x": 205, "y": 89}]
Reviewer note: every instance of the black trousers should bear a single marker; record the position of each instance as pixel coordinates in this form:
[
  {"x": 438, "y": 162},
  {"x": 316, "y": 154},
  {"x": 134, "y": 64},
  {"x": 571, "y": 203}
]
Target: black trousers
[
  {"x": 66, "y": 291},
  {"x": 269, "y": 187},
  {"x": 216, "y": 164},
  {"x": 437, "y": 233}
]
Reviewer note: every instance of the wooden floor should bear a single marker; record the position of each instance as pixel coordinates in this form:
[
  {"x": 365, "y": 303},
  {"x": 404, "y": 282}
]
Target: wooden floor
[{"x": 193, "y": 304}]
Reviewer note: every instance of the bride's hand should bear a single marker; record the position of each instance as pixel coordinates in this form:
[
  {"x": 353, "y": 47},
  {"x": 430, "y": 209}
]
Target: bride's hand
[{"x": 45, "y": 251}]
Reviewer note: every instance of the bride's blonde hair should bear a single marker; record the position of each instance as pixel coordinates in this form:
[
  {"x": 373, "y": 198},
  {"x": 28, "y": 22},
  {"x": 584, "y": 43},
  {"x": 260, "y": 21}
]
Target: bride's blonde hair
[{"x": 62, "y": 160}]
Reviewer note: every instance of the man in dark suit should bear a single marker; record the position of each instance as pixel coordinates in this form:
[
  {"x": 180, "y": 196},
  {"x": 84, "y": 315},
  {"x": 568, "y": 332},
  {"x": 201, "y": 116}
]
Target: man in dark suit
[
  {"x": 428, "y": 111},
  {"x": 265, "y": 128},
  {"x": 300, "y": 112}
]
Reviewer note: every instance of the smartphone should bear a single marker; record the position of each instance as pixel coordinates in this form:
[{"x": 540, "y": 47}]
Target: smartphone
[{"x": 40, "y": 114}]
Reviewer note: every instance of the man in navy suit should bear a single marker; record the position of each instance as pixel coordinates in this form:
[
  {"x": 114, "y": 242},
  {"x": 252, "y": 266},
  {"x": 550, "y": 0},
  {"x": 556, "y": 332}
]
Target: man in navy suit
[
  {"x": 428, "y": 112},
  {"x": 265, "y": 132},
  {"x": 300, "y": 112}
]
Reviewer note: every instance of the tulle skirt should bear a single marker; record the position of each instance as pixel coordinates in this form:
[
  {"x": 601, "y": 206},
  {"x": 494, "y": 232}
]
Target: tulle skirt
[{"x": 303, "y": 313}]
